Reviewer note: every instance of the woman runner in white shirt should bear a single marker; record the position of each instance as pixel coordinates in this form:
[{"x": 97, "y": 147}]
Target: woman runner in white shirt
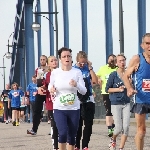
[{"x": 64, "y": 83}]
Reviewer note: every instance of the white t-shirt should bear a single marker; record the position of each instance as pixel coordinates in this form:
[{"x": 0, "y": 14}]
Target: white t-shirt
[{"x": 66, "y": 95}]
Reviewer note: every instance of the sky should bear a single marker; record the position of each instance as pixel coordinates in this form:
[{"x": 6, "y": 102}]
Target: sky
[{"x": 96, "y": 30}]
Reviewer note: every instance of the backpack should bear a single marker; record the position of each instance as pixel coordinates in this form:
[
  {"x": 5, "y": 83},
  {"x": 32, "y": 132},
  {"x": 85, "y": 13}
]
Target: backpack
[{"x": 84, "y": 98}]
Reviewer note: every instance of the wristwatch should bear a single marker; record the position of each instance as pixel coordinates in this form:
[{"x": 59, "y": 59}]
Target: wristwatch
[{"x": 90, "y": 68}]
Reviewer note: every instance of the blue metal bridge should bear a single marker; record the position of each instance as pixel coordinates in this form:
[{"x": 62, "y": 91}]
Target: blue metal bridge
[{"x": 23, "y": 56}]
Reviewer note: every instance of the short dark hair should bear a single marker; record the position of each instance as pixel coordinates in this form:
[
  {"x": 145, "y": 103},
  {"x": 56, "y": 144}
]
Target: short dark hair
[
  {"x": 122, "y": 55},
  {"x": 34, "y": 76},
  {"x": 45, "y": 57},
  {"x": 145, "y": 35},
  {"x": 63, "y": 49}
]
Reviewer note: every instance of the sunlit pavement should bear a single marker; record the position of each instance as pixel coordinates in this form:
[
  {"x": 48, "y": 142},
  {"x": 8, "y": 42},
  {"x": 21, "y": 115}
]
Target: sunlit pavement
[{"x": 15, "y": 138}]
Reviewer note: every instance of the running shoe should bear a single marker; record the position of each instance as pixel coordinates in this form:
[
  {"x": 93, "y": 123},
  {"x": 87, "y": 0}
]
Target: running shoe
[
  {"x": 113, "y": 146},
  {"x": 111, "y": 140},
  {"x": 49, "y": 122},
  {"x": 9, "y": 120},
  {"x": 85, "y": 148},
  {"x": 28, "y": 121},
  {"x": 77, "y": 148},
  {"x": 14, "y": 123},
  {"x": 31, "y": 132},
  {"x": 17, "y": 123},
  {"x": 6, "y": 122}
]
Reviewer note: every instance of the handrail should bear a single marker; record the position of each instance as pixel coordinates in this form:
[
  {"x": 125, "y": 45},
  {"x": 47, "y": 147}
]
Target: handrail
[{"x": 19, "y": 10}]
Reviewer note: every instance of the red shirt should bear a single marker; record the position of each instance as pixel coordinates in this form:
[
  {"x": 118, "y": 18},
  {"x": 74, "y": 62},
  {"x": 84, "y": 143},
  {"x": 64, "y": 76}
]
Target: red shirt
[{"x": 49, "y": 103}]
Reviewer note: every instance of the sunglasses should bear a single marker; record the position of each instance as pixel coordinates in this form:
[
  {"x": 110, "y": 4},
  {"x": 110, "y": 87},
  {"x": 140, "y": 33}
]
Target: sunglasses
[{"x": 82, "y": 64}]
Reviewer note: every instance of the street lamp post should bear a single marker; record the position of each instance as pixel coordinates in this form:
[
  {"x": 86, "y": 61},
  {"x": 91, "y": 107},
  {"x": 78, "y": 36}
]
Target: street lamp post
[
  {"x": 56, "y": 24},
  {"x": 4, "y": 70},
  {"x": 8, "y": 56},
  {"x": 36, "y": 26},
  {"x": 3, "y": 73}
]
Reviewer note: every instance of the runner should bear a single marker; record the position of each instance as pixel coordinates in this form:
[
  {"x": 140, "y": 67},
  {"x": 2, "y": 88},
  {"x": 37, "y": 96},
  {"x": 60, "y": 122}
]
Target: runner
[
  {"x": 139, "y": 67},
  {"x": 4, "y": 95},
  {"x": 14, "y": 98},
  {"x": 103, "y": 75},
  {"x": 53, "y": 64},
  {"x": 120, "y": 103},
  {"x": 40, "y": 96},
  {"x": 22, "y": 107},
  {"x": 64, "y": 83},
  {"x": 31, "y": 92},
  {"x": 87, "y": 106}
]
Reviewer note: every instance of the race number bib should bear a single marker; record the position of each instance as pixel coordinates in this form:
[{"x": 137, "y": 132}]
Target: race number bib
[
  {"x": 146, "y": 85},
  {"x": 67, "y": 99}
]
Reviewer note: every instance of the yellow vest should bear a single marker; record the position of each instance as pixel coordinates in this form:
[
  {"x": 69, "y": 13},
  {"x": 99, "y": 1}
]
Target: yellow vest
[{"x": 104, "y": 73}]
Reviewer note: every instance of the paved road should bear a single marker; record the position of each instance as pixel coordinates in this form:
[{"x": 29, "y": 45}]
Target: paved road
[{"x": 15, "y": 138}]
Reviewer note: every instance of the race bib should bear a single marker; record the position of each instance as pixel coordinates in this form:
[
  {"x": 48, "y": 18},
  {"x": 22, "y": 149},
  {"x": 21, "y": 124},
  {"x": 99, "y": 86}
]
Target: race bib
[
  {"x": 67, "y": 99},
  {"x": 146, "y": 85}
]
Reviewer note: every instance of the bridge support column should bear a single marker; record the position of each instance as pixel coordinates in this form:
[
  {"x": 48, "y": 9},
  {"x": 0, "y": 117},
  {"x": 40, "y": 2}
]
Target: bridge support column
[
  {"x": 51, "y": 27},
  {"x": 84, "y": 26},
  {"x": 141, "y": 21},
  {"x": 108, "y": 28},
  {"x": 66, "y": 23},
  {"x": 29, "y": 41},
  {"x": 39, "y": 32}
]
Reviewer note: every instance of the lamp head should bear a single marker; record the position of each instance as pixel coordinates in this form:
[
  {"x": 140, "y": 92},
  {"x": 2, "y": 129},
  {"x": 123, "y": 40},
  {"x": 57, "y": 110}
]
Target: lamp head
[
  {"x": 8, "y": 55},
  {"x": 36, "y": 26}
]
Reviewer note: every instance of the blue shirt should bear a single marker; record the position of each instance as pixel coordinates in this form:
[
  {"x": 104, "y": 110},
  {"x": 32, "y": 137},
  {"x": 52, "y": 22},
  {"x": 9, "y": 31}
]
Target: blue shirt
[
  {"x": 142, "y": 81},
  {"x": 14, "y": 95},
  {"x": 116, "y": 98},
  {"x": 32, "y": 89},
  {"x": 86, "y": 74},
  {"x": 21, "y": 99}
]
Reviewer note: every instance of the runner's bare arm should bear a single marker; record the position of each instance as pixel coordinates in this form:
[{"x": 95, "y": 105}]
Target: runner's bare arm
[
  {"x": 99, "y": 81},
  {"x": 9, "y": 100},
  {"x": 92, "y": 73},
  {"x": 132, "y": 67}
]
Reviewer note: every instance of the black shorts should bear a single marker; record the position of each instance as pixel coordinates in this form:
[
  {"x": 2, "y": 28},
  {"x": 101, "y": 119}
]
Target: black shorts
[
  {"x": 14, "y": 108},
  {"x": 140, "y": 108},
  {"x": 107, "y": 104},
  {"x": 22, "y": 108}
]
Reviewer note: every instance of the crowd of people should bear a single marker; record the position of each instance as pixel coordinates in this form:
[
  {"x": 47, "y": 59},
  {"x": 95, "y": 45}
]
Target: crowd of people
[{"x": 67, "y": 92}]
